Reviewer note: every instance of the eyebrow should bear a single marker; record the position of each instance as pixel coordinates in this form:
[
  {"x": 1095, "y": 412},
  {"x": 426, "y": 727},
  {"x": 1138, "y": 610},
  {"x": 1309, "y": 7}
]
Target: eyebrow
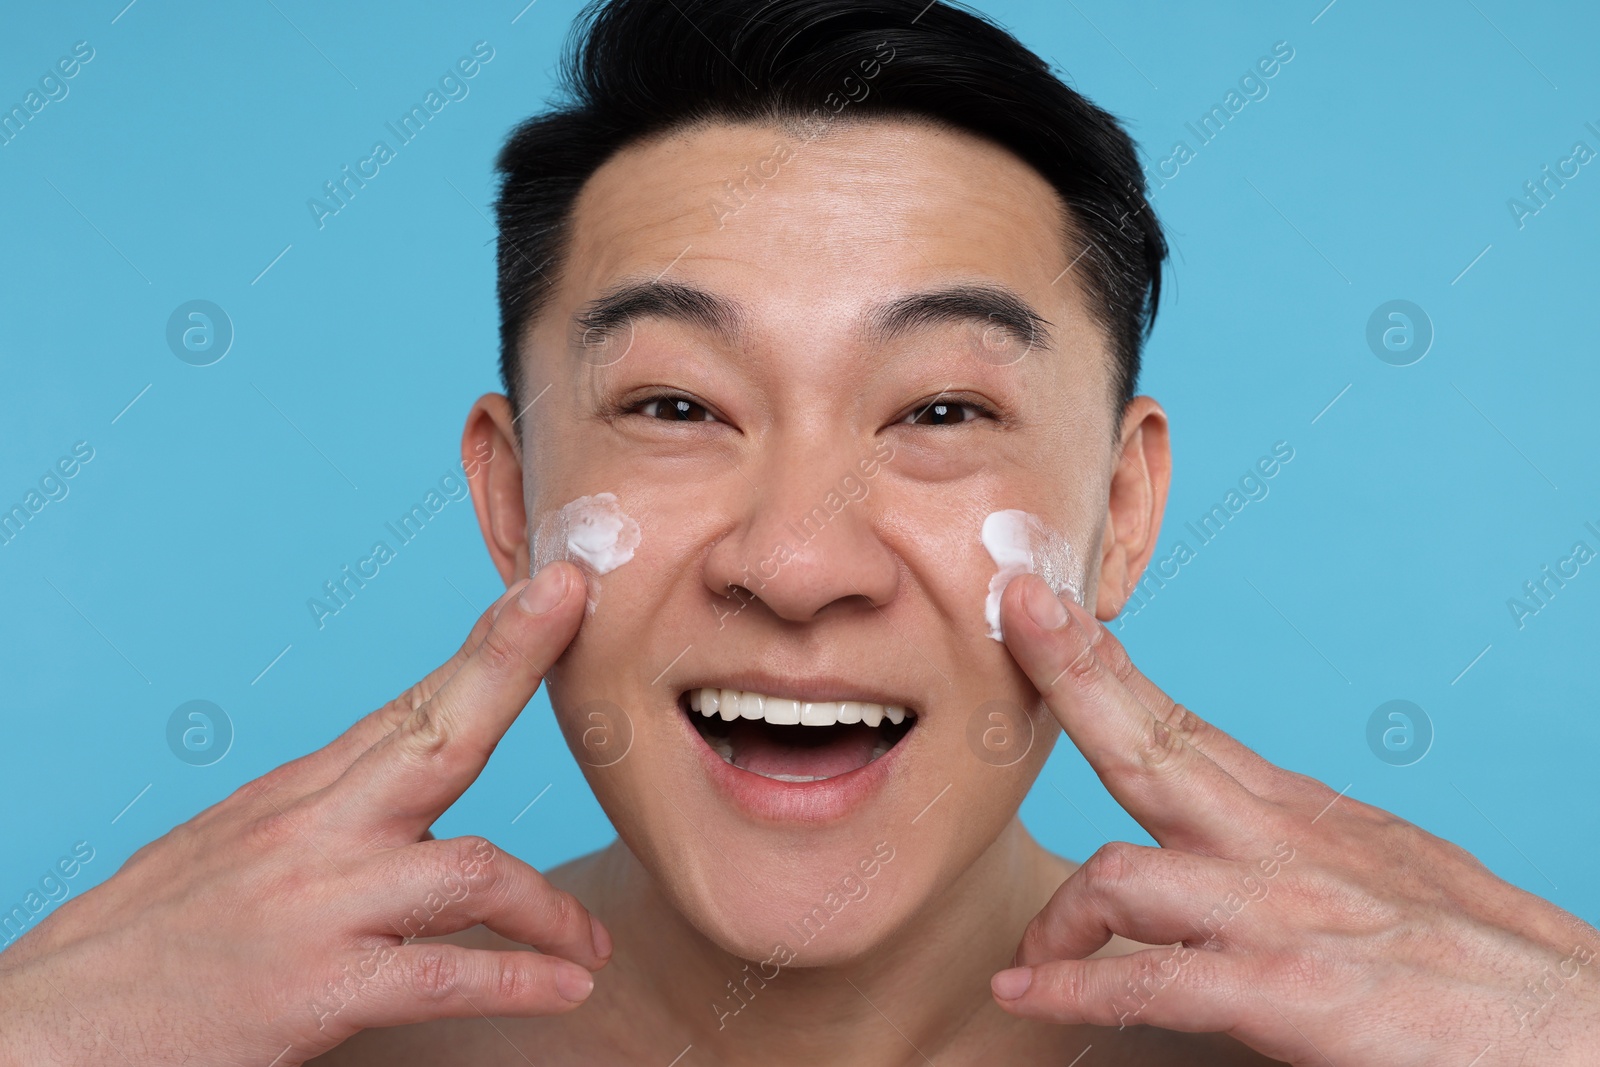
[
  {"x": 624, "y": 303},
  {"x": 990, "y": 305}
]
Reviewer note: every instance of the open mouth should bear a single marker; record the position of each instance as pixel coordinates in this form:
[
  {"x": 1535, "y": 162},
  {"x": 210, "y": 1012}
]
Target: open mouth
[{"x": 794, "y": 740}]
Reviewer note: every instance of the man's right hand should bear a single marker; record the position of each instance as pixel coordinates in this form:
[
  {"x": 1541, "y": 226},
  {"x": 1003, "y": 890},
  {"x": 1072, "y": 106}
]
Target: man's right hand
[{"x": 276, "y": 924}]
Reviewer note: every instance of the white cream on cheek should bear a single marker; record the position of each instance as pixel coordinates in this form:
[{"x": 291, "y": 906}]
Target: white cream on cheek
[
  {"x": 1020, "y": 543},
  {"x": 592, "y": 531}
]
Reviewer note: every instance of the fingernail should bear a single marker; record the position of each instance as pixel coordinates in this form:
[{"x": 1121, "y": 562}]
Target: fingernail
[
  {"x": 601, "y": 937},
  {"x": 1045, "y": 607},
  {"x": 573, "y": 982},
  {"x": 544, "y": 592},
  {"x": 1009, "y": 985}
]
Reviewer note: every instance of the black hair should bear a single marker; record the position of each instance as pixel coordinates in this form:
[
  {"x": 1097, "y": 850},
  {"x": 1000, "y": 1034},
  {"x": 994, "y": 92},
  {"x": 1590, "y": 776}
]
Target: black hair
[{"x": 637, "y": 68}]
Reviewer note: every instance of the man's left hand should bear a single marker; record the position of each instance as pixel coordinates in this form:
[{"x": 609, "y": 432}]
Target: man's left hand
[{"x": 1314, "y": 928}]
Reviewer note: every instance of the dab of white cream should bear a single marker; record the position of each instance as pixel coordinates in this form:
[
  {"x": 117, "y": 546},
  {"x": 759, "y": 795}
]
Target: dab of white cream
[
  {"x": 1020, "y": 543},
  {"x": 592, "y": 531}
]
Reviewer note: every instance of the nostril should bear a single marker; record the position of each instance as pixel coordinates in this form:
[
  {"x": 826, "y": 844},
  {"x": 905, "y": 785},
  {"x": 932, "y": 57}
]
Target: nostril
[{"x": 738, "y": 598}]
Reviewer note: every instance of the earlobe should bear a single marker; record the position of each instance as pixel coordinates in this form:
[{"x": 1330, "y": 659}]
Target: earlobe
[
  {"x": 491, "y": 458},
  {"x": 1137, "y": 500}
]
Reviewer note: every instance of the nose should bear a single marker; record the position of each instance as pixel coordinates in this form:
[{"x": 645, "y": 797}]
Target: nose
[{"x": 806, "y": 535}]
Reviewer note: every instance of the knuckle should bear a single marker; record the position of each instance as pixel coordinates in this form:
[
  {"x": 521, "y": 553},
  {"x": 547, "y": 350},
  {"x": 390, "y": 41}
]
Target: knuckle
[
  {"x": 499, "y": 651},
  {"x": 513, "y": 980},
  {"x": 1295, "y": 973},
  {"x": 1066, "y": 983},
  {"x": 563, "y": 909},
  {"x": 434, "y": 974},
  {"x": 1187, "y": 725},
  {"x": 1109, "y": 649},
  {"x": 478, "y": 860},
  {"x": 1085, "y": 666},
  {"x": 1158, "y": 743},
  {"x": 1034, "y": 941},
  {"x": 393, "y": 715},
  {"x": 270, "y": 832},
  {"x": 268, "y": 785},
  {"x": 1111, "y": 866},
  {"x": 427, "y": 730}
]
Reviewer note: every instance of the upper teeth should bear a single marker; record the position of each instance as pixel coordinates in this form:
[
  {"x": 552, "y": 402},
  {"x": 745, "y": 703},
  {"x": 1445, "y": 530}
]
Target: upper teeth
[{"x": 781, "y": 711}]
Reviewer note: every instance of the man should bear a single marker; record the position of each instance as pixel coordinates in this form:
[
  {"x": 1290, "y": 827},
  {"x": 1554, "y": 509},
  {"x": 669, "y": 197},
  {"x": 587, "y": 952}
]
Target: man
[{"x": 820, "y": 462}]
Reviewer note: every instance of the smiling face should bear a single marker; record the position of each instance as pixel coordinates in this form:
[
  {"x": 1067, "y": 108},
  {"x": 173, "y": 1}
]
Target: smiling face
[{"x": 809, "y": 398}]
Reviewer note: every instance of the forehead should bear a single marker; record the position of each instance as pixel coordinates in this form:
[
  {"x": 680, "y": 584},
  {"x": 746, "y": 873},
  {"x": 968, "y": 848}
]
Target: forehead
[{"x": 813, "y": 230}]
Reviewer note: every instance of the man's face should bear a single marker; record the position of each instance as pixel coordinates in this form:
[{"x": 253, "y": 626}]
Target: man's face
[{"x": 811, "y": 530}]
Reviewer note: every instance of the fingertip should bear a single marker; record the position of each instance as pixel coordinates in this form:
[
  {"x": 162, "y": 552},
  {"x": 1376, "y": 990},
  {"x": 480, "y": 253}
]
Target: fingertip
[
  {"x": 573, "y": 982},
  {"x": 545, "y": 590},
  {"x": 1044, "y": 606},
  {"x": 1011, "y": 984},
  {"x": 602, "y": 940}
]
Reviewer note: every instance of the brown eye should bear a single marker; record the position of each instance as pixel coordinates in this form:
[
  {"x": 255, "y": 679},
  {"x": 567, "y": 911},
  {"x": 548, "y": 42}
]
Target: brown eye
[
  {"x": 675, "y": 409},
  {"x": 943, "y": 413}
]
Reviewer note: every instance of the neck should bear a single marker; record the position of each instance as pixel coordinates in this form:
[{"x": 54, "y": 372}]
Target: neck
[{"x": 921, "y": 992}]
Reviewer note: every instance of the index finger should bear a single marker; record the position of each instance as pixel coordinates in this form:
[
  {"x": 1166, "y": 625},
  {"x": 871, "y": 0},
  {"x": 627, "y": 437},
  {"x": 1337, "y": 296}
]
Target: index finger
[
  {"x": 317, "y": 769},
  {"x": 1256, "y": 774},
  {"x": 429, "y": 759},
  {"x": 1174, "y": 790}
]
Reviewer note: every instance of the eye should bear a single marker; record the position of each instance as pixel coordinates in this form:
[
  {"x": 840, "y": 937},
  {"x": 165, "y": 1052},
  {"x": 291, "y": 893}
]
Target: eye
[
  {"x": 944, "y": 413},
  {"x": 674, "y": 409}
]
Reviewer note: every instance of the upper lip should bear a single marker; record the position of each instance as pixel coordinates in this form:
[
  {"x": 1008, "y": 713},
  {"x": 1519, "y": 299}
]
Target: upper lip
[{"x": 810, "y": 687}]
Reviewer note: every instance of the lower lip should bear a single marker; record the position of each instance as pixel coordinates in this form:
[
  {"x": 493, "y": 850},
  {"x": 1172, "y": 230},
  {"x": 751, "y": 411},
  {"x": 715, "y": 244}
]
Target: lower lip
[{"x": 770, "y": 800}]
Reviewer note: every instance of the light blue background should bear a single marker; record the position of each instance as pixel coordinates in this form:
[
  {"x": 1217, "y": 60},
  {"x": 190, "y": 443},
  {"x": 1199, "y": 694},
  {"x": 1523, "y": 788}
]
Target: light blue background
[{"x": 1378, "y": 167}]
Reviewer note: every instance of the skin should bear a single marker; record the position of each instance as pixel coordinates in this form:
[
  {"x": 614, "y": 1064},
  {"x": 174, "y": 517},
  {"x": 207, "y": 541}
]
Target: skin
[{"x": 1346, "y": 935}]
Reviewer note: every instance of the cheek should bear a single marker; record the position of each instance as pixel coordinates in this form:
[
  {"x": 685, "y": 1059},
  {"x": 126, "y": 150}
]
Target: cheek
[
  {"x": 1021, "y": 543},
  {"x": 966, "y": 554},
  {"x": 591, "y": 531}
]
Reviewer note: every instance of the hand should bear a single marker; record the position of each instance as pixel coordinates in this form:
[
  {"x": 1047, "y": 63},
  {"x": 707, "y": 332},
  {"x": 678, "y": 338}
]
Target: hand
[
  {"x": 1311, "y": 927},
  {"x": 274, "y": 925}
]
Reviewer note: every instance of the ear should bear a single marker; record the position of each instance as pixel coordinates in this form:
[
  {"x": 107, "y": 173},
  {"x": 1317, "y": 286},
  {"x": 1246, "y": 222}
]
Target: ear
[
  {"x": 492, "y": 460},
  {"x": 1138, "y": 497}
]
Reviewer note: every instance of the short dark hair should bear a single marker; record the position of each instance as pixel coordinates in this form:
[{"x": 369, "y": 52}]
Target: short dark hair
[{"x": 637, "y": 68}]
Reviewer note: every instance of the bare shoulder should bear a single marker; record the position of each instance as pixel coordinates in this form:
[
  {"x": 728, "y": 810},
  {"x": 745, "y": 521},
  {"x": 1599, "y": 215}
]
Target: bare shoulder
[{"x": 474, "y": 1040}]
